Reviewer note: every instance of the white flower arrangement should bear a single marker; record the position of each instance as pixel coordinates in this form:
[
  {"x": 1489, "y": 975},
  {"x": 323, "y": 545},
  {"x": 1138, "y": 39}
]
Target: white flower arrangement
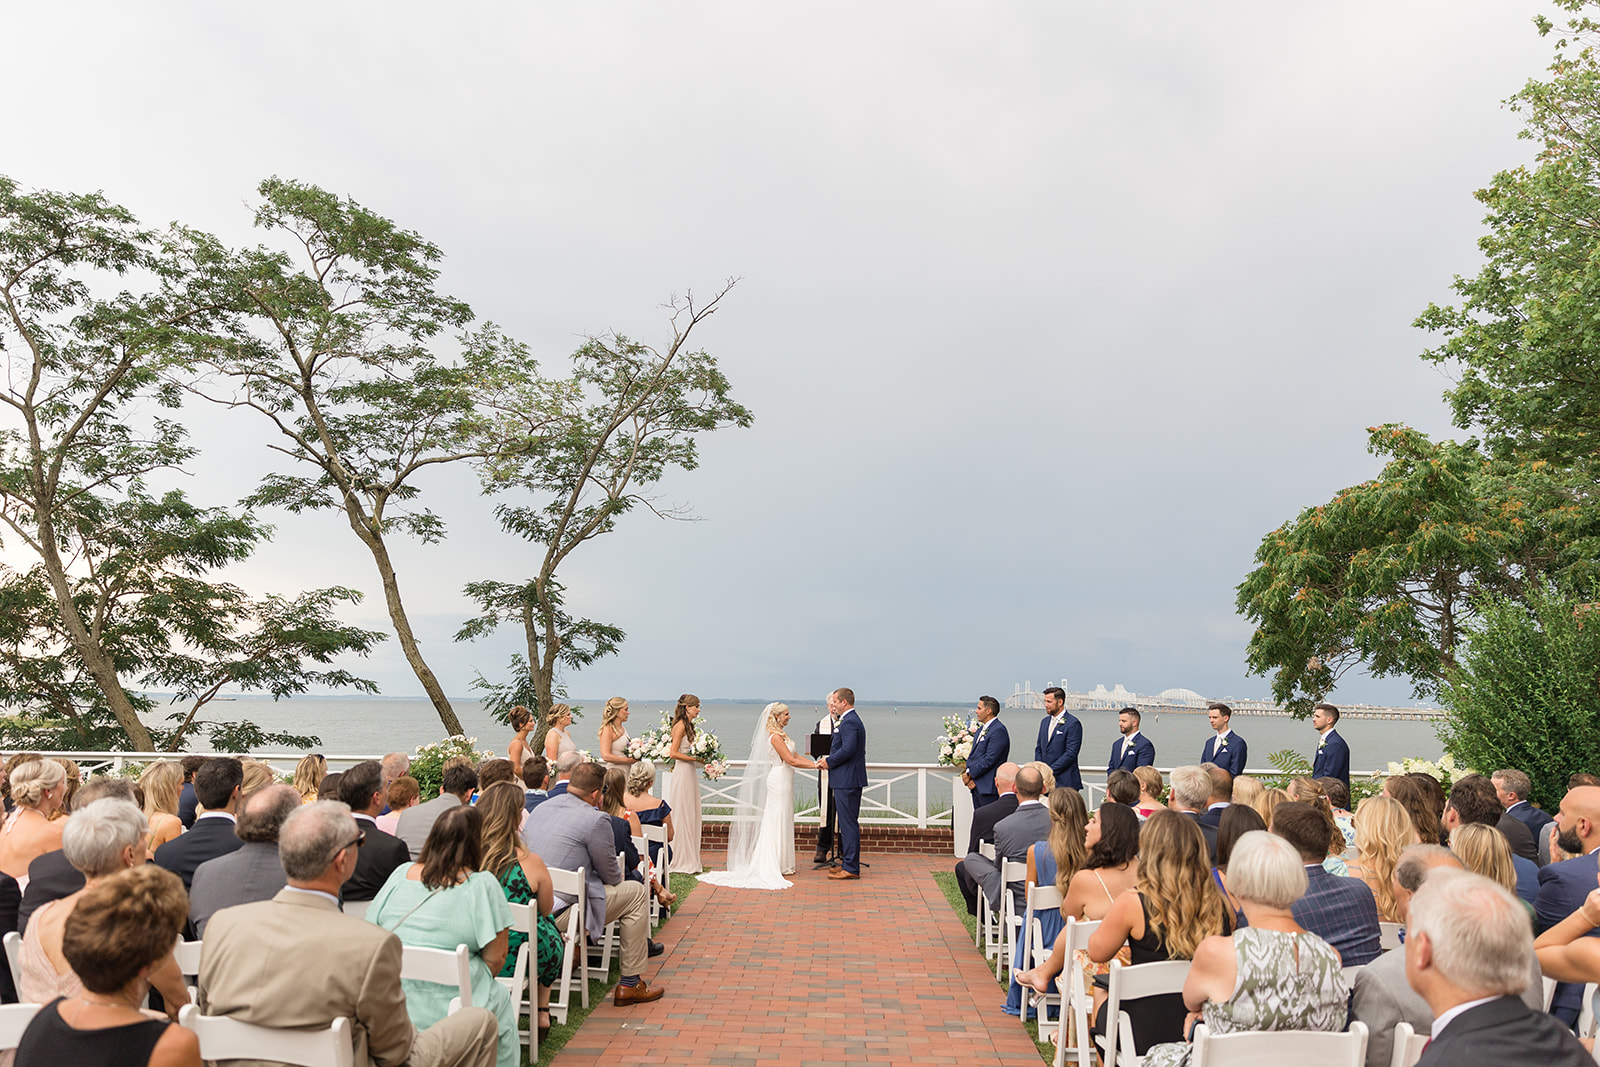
[
  {"x": 708, "y": 750},
  {"x": 655, "y": 745},
  {"x": 955, "y": 743},
  {"x": 1445, "y": 770}
]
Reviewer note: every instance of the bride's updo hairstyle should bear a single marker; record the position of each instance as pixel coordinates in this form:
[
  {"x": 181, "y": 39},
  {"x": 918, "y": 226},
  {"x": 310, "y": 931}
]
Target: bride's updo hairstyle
[
  {"x": 608, "y": 717},
  {"x": 31, "y": 781},
  {"x": 553, "y": 716},
  {"x": 681, "y": 714},
  {"x": 641, "y": 776},
  {"x": 773, "y": 710}
]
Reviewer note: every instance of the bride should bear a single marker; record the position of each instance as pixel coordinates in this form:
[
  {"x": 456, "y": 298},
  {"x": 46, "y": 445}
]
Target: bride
[{"x": 761, "y": 835}]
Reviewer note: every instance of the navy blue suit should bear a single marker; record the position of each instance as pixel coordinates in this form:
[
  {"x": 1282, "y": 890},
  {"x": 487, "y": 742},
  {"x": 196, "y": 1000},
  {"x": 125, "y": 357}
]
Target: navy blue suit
[
  {"x": 1060, "y": 750},
  {"x": 1124, "y": 758},
  {"x": 847, "y": 777},
  {"x": 1343, "y": 913},
  {"x": 1333, "y": 761},
  {"x": 1232, "y": 756},
  {"x": 1562, "y": 888},
  {"x": 1535, "y": 818},
  {"x": 991, "y": 748}
]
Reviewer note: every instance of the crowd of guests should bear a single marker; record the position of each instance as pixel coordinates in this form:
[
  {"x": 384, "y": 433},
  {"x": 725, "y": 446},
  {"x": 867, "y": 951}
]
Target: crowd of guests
[
  {"x": 101, "y": 880},
  {"x": 1279, "y": 898}
]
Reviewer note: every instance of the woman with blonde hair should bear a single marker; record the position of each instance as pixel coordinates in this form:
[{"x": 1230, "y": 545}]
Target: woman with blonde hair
[
  {"x": 557, "y": 742},
  {"x": 761, "y": 835},
  {"x": 162, "y": 781},
  {"x": 613, "y": 734},
  {"x": 683, "y": 784},
  {"x": 521, "y": 720},
  {"x": 1151, "y": 790},
  {"x": 651, "y": 812},
  {"x": 1268, "y": 800},
  {"x": 1247, "y": 790},
  {"x": 1484, "y": 850},
  {"x": 38, "y": 788},
  {"x": 613, "y": 791},
  {"x": 257, "y": 775},
  {"x": 308, "y": 776},
  {"x": 1383, "y": 831},
  {"x": 1045, "y": 773},
  {"x": 74, "y": 780},
  {"x": 1053, "y": 861}
]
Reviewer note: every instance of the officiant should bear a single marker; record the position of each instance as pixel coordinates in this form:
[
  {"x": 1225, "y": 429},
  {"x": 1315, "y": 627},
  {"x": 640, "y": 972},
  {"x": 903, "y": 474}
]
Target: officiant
[{"x": 824, "y": 728}]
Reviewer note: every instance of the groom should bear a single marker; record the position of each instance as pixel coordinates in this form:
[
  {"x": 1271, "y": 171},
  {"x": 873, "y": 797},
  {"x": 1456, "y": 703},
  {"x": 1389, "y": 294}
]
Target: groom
[{"x": 846, "y": 764}]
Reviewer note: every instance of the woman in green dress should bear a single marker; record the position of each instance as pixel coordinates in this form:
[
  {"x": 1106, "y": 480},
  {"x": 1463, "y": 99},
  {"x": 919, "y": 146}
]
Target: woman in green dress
[
  {"x": 442, "y": 901},
  {"x": 525, "y": 880}
]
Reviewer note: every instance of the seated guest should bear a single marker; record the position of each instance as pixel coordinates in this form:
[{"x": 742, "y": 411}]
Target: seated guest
[
  {"x": 308, "y": 776},
  {"x": 1383, "y": 831},
  {"x": 1122, "y": 787},
  {"x": 612, "y": 793},
  {"x": 296, "y": 962},
  {"x": 1338, "y": 795},
  {"x": 257, "y": 775},
  {"x": 1191, "y": 794},
  {"x": 52, "y": 876},
  {"x": 1467, "y": 944},
  {"x": 649, "y": 810},
  {"x": 1247, "y": 790},
  {"x": 328, "y": 788},
  {"x": 1271, "y": 975},
  {"x": 1237, "y": 821},
  {"x": 1564, "y": 884},
  {"x": 188, "y": 803},
  {"x": 1267, "y": 802},
  {"x": 566, "y": 763},
  {"x": 457, "y": 783},
  {"x": 361, "y": 790},
  {"x": 984, "y": 820},
  {"x": 1383, "y": 997},
  {"x": 402, "y": 793},
  {"x": 1310, "y": 791},
  {"x": 1151, "y": 790},
  {"x": 445, "y": 900},
  {"x": 162, "y": 781},
  {"x": 38, "y": 789},
  {"x": 1339, "y": 910},
  {"x": 628, "y": 824},
  {"x": 524, "y": 879},
  {"x": 252, "y": 871},
  {"x": 1513, "y": 787},
  {"x": 1473, "y": 800},
  {"x": 1012, "y": 837},
  {"x": 1052, "y": 861},
  {"x": 216, "y": 784},
  {"x": 535, "y": 781},
  {"x": 103, "y": 839},
  {"x": 1417, "y": 796},
  {"x": 1220, "y": 797},
  {"x": 491, "y": 771},
  {"x": 121, "y": 930},
  {"x": 1046, "y": 775},
  {"x": 1484, "y": 850}
]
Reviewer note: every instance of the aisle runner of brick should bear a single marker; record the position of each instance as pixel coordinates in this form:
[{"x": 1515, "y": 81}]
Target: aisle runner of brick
[{"x": 835, "y": 973}]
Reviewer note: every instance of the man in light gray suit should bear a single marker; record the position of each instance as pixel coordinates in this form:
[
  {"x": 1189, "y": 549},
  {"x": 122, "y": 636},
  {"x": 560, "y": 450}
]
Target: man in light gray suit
[
  {"x": 1013, "y": 836},
  {"x": 455, "y": 788},
  {"x": 252, "y": 872},
  {"x": 1383, "y": 997}
]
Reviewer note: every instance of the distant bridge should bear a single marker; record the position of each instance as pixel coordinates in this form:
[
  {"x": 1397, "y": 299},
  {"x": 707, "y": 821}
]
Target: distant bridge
[{"x": 1188, "y": 702}]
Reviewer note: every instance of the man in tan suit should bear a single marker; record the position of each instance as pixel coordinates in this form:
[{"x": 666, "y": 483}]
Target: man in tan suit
[{"x": 297, "y": 963}]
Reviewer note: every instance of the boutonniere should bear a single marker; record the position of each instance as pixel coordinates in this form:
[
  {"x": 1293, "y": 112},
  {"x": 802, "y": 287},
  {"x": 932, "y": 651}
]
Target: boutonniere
[
  {"x": 1222, "y": 743},
  {"x": 1321, "y": 744}
]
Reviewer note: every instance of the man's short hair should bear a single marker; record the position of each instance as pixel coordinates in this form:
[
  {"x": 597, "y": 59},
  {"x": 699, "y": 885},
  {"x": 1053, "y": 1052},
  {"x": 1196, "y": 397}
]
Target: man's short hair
[
  {"x": 103, "y": 787},
  {"x": 1582, "y": 778},
  {"x": 586, "y": 778},
  {"x": 1006, "y": 773},
  {"x": 1303, "y": 826},
  {"x": 312, "y": 836},
  {"x": 459, "y": 780},
  {"x": 1133, "y": 712},
  {"x": 1475, "y": 801},
  {"x": 263, "y": 812},
  {"x": 566, "y": 763},
  {"x": 989, "y": 704},
  {"x": 1479, "y": 932},
  {"x": 1333, "y": 712},
  {"x": 535, "y": 772},
  {"x": 1266, "y": 869},
  {"x": 1221, "y": 784},
  {"x": 1191, "y": 786},
  {"x": 96, "y": 836},
  {"x": 1412, "y": 868},
  {"x": 1030, "y": 784},
  {"x": 192, "y": 764},
  {"x": 1517, "y": 783},
  {"x": 395, "y": 764},
  {"x": 1221, "y": 708},
  {"x": 216, "y": 780},
  {"x": 1123, "y": 787},
  {"x": 359, "y": 784},
  {"x": 846, "y": 696},
  {"x": 1057, "y": 692},
  {"x": 459, "y": 761},
  {"x": 491, "y": 771}
]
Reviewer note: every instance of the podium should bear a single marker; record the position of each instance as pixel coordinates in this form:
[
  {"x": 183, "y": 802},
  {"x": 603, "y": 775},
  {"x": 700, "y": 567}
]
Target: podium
[{"x": 817, "y": 746}]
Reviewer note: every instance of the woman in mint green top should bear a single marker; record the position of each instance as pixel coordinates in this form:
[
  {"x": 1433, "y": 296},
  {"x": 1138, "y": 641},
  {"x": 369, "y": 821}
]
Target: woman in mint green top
[{"x": 444, "y": 901}]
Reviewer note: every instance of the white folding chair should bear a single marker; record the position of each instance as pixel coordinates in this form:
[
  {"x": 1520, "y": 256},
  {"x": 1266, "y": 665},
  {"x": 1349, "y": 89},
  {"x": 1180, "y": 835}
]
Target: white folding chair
[
  {"x": 1587, "y": 1014},
  {"x": 658, "y": 866},
  {"x": 1350, "y": 973},
  {"x": 187, "y": 953},
  {"x": 1408, "y": 1045},
  {"x": 222, "y": 1038},
  {"x": 13, "y": 943},
  {"x": 1549, "y": 991},
  {"x": 441, "y": 966},
  {"x": 1041, "y": 898},
  {"x": 1130, "y": 983},
  {"x": 1077, "y": 998},
  {"x": 14, "y": 1019},
  {"x": 522, "y": 920},
  {"x": 986, "y": 917},
  {"x": 573, "y": 954},
  {"x": 610, "y": 939},
  {"x": 1388, "y": 936},
  {"x": 357, "y": 908},
  {"x": 1272, "y": 1048},
  {"x": 1012, "y": 872}
]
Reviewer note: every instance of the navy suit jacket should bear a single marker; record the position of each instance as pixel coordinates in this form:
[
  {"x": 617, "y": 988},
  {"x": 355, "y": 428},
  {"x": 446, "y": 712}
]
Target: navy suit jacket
[
  {"x": 1535, "y": 818},
  {"x": 992, "y": 748},
  {"x": 208, "y": 839},
  {"x": 1342, "y": 912},
  {"x": 1562, "y": 888},
  {"x": 1142, "y": 754},
  {"x": 1232, "y": 756},
  {"x": 1061, "y": 750},
  {"x": 847, "y": 753},
  {"x": 1333, "y": 761}
]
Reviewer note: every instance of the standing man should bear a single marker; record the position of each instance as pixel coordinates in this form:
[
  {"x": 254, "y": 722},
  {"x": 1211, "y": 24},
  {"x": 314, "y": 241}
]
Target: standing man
[
  {"x": 990, "y": 748},
  {"x": 1513, "y": 787},
  {"x": 846, "y": 764},
  {"x": 1225, "y": 749},
  {"x": 1131, "y": 749},
  {"x": 1060, "y": 738},
  {"x": 1333, "y": 755}
]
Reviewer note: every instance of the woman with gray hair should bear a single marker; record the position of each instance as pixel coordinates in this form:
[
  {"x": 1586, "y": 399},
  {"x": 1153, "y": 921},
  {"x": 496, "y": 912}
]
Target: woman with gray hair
[
  {"x": 1270, "y": 975},
  {"x": 101, "y": 839}
]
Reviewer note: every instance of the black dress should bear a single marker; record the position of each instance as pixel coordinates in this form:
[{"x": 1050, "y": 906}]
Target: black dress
[
  {"x": 48, "y": 1041},
  {"x": 1155, "y": 1019}
]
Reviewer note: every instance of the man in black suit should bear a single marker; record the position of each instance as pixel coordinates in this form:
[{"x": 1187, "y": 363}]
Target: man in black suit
[
  {"x": 186, "y": 797},
  {"x": 1013, "y": 836},
  {"x": 50, "y": 876},
  {"x": 380, "y": 853},
  {"x": 1191, "y": 791},
  {"x": 1221, "y": 797},
  {"x": 251, "y": 872},
  {"x": 1473, "y": 800},
  {"x": 984, "y": 820},
  {"x": 216, "y": 786},
  {"x": 1467, "y": 945}
]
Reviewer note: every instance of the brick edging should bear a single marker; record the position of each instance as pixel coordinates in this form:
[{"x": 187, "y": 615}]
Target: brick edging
[{"x": 934, "y": 841}]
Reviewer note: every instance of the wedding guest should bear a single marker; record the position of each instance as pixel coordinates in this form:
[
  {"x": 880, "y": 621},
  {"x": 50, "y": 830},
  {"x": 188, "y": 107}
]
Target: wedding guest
[
  {"x": 648, "y": 810},
  {"x": 984, "y": 820},
  {"x": 1060, "y": 739},
  {"x": 1513, "y": 787},
  {"x": 614, "y": 732},
  {"x": 1053, "y": 860},
  {"x": 521, "y": 720},
  {"x": 535, "y": 781},
  {"x": 402, "y": 793},
  {"x": 1473, "y": 800},
  {"x": 990, "y": 748},
  {"x": 1565, "y": 885},
  {"x": 683, "y": 787},
  {"x": 1151, "y": 790},
  {"x": 1418, "y": 800},
  {"x": 1307, "y": 791},
  {"x": 257, "y": 775},
  {"x": 308, "y": 776},
  {"x": 1483, "y": 850},
  {"x": 1268, "y": 802},
  {"x": 250, "y": 872},
  {"x": 1237, "y": 821},
  {"x": 1247, "y": 790},
  {"x": 1224, "y": 748},
  {"x": 1123, "y": 787},
  {"x": 381, "y": 853},
  {"x": 524, "y": 879},
  {"x": 395, "y": 765},
  {"x": 1339, "y": 800},
  {"x": 456, "y": 785},
  {"x": 1013, "y": 835},
  {"x": 624, "y": 823},
  {"x": 74, "y": 780},
  {"x": 52, "y": 876},
  {"x": 216, "y": 786},
  {"x": 328, "y": 788},
  {"x": 1132, "y": 750},
  {"x": 118, "y": 937},
  {"x": 1220, "y": 797},
  {"x": 557, "y": 743},
  {"x": 187, "y": 802},
  {"x": 491, "y": 771},
  {"x": 1046, "y": 775},
  {"x": 1332, "y": 758},
  {"x": 1341, "y": 911},
  {"x": 1191, "y": 790},
  {"x": 37, "y": 789},
  {"x": 1270, "y": 975},
  {"x": 1383, "y": 831}
]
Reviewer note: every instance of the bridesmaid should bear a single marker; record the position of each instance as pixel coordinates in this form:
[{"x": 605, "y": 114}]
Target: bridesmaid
[
  {"x": 613, "y": 735},
  {"x": 683, "y": 788},
  {"x": 556, "y": 741},
  {"x": 521, "y": 721}
]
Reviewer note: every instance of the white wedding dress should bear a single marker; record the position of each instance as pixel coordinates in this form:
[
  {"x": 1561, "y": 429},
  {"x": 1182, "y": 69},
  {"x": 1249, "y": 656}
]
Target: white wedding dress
[{"x": 761, "y": 834}]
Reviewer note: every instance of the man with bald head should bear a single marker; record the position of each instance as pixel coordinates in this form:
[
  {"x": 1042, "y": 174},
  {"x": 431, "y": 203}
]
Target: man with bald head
[
  {"x": 1563, "y": 886},
  {"x": 984, "y": 820}
]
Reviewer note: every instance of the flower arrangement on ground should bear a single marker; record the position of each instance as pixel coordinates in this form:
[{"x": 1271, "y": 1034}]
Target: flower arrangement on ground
[
  {"x": 955, "y": 743},
  {"x": 427, "y": 762}
]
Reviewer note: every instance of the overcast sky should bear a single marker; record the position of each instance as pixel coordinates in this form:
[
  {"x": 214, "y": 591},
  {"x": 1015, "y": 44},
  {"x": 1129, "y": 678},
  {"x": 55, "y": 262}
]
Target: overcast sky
[{"x": 1048, "y": 311}]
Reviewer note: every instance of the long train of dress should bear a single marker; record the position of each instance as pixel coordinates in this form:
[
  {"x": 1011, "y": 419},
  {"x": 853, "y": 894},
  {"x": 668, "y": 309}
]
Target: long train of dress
[{"x": 773, "y": 856}]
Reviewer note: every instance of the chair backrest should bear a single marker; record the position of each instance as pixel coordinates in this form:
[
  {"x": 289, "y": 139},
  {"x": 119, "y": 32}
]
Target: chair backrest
[
  {"x": 187, "y": 953},
  {"x": 1041, "y": 898},
  {"x": 1388, "y": 936},
  {"x": 357, "y": 908},
  {"x": 222, "y": 1038},
  {"x": 14, "y": 1018},
  {"x": 438, "y": 965},
  {"x": 1408, "y": 1045},
  {"x": 13, "y": 943},
  {"x": 1549, "y": 992},
  {"x": 1078, "y": 932},
  {"x": 658, "y": 834},
  {"x": 1129, "y": 983},
  {"x": 986, "y": 849},
  {"x": 571, "y": 884},
  {"x": 1272, "y": 1048}
]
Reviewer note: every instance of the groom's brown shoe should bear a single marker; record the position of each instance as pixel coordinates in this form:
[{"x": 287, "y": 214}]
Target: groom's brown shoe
[
  {"x": 839, "y": 874},
  {"x": 639, "y": 994}
]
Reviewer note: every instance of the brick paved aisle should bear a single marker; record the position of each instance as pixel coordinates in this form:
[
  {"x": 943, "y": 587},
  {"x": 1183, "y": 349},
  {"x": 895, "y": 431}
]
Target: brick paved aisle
[{"x": 875, "y": 971}]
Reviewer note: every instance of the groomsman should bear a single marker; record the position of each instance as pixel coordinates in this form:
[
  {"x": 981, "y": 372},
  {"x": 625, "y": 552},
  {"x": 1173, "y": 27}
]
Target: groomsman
[
  {"x": 1132, "y": 749},
  {"x": 1333, "y": 755},
  {"x": 990, "y": 748},
  {"x": 1225, "y": 749},
  {"x": 1060, "y": 738}
]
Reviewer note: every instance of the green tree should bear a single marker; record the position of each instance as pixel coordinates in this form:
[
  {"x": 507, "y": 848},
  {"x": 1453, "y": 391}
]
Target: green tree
[
  {"x": 331, "y": 344},
  {"x": 1526, "y": 690},
  {"x": 629, "y": 414}
]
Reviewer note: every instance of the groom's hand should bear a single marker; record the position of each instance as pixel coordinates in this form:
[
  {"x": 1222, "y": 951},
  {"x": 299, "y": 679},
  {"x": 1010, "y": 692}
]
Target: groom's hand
[{"x": 822, "y": 763}]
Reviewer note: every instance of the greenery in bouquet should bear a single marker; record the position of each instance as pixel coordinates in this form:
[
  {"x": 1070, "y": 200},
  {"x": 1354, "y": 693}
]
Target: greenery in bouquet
[
  {"x": 955, "y": 742},
  {"x": 654, "y": 744},
  {"x": 708, "y": 750},
  {"x": 427, "y": 762}
]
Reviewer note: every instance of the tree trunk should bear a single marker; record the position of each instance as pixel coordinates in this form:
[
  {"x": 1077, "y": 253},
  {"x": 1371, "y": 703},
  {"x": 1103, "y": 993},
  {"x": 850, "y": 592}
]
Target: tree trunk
[{"x": 402, "y": 630}]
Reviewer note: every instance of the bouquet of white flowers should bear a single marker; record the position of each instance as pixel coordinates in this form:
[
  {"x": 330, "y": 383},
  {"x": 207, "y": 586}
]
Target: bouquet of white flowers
[
  {"x": 708, "y": 750},
  {"x": 955, "y": 743},
  {"x": 654, "y": 744},
  {"x": 1445, "y": 771}
]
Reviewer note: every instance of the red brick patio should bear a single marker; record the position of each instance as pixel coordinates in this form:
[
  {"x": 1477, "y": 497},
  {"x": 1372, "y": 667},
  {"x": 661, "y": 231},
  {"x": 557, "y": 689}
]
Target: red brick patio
[{"x": 827, "y": 973}]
